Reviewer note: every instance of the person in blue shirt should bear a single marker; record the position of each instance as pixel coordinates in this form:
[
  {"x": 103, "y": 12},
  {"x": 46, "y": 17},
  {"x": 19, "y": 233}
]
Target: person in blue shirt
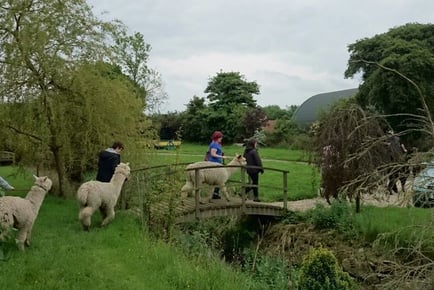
[{"x": 216, "y": 155}]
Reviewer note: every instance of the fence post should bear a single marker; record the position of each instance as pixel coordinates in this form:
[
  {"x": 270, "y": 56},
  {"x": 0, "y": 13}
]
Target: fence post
[
  {"x": 196, "y": 193},
  {"x": 285, "y": 190}
]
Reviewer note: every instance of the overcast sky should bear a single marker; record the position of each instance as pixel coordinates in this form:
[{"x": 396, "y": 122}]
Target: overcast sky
[{"x": 293, "y": 49}]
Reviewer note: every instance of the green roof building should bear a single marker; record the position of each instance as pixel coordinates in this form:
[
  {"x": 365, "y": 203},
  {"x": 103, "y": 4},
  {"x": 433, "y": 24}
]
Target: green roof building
[{"x": 308, "y": 112}]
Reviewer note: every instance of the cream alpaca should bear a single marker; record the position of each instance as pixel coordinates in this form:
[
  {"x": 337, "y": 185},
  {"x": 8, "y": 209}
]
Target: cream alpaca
[
  {"x": 21, "y": 212},
  {"x": 93, "y": 195},
  {"x": 214, "y": 177}
]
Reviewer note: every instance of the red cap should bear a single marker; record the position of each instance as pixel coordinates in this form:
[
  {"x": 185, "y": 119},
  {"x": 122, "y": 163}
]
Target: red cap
[{"x": 216, "y": 135}]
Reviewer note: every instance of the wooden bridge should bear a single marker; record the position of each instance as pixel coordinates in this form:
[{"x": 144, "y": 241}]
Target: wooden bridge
[
  {"x": 188, "y": 210},
  {"x": 191, "y": 208}
]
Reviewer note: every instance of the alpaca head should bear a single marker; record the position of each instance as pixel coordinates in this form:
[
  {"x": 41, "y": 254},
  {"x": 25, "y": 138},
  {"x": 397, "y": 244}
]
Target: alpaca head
[
  {"x": 124, "y": 169},
  {"x": 44, "y": 182},
  {"x": 238, "y": 159}
]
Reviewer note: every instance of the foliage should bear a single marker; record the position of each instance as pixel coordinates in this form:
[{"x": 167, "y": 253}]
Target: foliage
[
  {"x": 132, "y": 54},
  {"x": 285, "y": 133},
  {"x": 275, "y": 272},
  {"x": 407, "y": 49},
  {"x": 350, "y": 146},
  {"x": 61, "y": 102},
  {"x": 229, "y": 88},
  {"x": 338, "y": 216},
  {"x": 231, "y": 109},
  {"x": 274, "y": 112},
  {"x": 193, "y": 127},
  {"x": 321, "y": 271}
]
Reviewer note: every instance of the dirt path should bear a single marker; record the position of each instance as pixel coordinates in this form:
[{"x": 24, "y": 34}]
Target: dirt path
[{"x": 402, "y": 199}]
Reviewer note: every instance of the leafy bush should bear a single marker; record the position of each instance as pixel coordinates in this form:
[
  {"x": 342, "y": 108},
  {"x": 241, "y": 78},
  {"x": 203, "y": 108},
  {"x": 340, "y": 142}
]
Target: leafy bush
[
  {"x": 320, "y": 271},
  {"x": 339, "y": 216}
]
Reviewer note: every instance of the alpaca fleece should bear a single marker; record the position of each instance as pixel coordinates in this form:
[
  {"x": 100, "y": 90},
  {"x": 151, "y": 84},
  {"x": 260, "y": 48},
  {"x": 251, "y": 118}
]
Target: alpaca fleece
[
  {"x": 94, "y": 195},
  {"x": 20, "y": 213},
  {"x": 214, "y": 177}
]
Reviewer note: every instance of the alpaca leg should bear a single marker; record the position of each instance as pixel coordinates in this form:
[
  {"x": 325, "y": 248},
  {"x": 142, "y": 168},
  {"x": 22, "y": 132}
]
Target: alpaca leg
[
  {"x": 186, "y": 190},
  {"x": 211, "y": 193},
  {"x": 85, "y": 217},
  {"x": 28, "y": 235},
  {"x": 110, "y": 215},
  {"x": 225, "y": 191},
  {"x": 21, "y": 237}
]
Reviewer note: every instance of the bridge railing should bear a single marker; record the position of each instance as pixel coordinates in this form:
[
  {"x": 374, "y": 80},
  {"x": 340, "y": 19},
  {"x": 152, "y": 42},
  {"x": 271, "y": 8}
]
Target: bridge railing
[
  {"x": 144, "y": 177},
  {"x": 243, "y": 182}
]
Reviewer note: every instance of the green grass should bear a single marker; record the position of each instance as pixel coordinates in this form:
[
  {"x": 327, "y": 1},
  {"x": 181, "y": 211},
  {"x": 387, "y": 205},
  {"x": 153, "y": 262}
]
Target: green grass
[
  {"x": 120, "y": 256},
  {"x": 373, "y": 221},
  {"x": 302, "y": 182},
  {"x": 231, "y": 150}
]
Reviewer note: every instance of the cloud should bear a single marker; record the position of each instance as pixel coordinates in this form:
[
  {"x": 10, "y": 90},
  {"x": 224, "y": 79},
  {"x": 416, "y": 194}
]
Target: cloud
[{"x": 292, "y": 49}]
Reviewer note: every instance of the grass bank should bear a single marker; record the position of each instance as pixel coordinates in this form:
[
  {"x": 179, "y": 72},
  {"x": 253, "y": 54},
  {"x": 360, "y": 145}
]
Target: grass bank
[{"x": 120, "y": 256}]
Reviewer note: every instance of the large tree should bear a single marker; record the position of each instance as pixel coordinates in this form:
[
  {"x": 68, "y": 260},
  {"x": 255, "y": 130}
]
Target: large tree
[
  {"x": 229, "y": 88},
  {"x": 60, "y": 100},
  {"x": 408, "y": 49},
  {"x": 132, "y": 54},
  {"x": 230, "y": 96}
]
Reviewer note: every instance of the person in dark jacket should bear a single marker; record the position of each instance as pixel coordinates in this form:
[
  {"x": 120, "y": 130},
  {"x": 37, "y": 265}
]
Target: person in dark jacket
[
  {"x": 252, "y": 158},
  {"x": 108, "y": 160}
]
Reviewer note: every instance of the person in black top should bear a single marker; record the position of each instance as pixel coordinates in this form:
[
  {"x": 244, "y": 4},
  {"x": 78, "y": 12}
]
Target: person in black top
[
  {"x": 108, "y": 160},
  {"x": 252, "y": 158}
]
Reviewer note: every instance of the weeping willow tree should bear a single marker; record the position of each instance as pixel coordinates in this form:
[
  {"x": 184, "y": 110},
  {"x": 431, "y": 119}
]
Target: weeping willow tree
[
  {"x": 351, "y": 149},
  {"x": 60, "y": 100}
]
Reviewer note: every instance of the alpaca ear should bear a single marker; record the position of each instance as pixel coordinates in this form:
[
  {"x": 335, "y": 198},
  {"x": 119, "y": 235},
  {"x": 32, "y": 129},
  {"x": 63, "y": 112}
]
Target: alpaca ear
[
  {"x": 35, "y": 177},
  {"x": 128, "y": 164}
]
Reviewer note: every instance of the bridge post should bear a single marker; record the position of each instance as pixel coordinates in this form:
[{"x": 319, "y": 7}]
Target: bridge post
[
  {"x": 285, "y": 190},
  {"x": 196, "y": 193},
  {"x": 243, "y": 190}
]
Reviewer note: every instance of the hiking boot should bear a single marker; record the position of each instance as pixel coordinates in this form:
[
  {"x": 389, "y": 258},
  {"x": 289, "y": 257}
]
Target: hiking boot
[
  {"x": 256, "y": 199},
  {"x": 216, "y": 196}
]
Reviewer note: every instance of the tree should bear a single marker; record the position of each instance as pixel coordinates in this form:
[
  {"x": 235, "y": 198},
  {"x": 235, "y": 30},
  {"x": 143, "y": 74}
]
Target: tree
[
  {"x": 350, "y": 147},
  {"x": 132, "y": 53},
  {"x": 229, "y": 88},
  {"x": 229, "y": 96},
  {"x": 274, "y": 112},
  {"x": 407, "y": 49},
  {"x": 254, "y": 119},
  {"x": 63, "y": 101},
  {"x": 193, "y": 125}
]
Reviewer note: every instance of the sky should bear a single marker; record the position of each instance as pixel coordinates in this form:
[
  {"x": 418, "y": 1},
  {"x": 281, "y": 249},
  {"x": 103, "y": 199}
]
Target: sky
[{"x": 293, "y": 49}]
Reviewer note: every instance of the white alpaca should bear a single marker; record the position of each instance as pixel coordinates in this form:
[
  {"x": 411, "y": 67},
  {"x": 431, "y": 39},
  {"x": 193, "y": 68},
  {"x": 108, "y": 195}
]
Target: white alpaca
[
  {"x": 21, "y": 212},
  {"x": 214, "y": 177},
  {"x": 93, "y": 195}
]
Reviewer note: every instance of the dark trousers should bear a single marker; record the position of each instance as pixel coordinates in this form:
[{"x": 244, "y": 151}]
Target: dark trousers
[{"x": 254, "y": 177}]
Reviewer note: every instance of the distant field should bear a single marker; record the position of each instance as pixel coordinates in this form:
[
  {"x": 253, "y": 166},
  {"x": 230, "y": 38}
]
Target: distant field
[{"x": 303, "y": 178}]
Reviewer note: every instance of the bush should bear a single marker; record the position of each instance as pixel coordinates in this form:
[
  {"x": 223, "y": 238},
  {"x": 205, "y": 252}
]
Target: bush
[
  {"x": 320, "y": 271},
  {"x": 339, "y": 217}
]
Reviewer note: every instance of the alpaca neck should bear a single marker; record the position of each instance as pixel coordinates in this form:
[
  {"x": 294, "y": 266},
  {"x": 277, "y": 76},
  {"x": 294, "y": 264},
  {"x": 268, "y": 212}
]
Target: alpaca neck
[
  {"x": 36, "y": 196},
  {"x": 231, "y": 170},
  {"x": 118, "y": 180}
]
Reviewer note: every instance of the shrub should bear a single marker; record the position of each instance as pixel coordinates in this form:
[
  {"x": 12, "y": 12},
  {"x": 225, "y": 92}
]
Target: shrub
[
  {"x": 339, "y": 217},
  {"x": 320, "y": 271}
]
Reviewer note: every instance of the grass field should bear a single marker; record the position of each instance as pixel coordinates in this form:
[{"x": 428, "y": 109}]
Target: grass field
[{"x": 303, "y": 178}]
